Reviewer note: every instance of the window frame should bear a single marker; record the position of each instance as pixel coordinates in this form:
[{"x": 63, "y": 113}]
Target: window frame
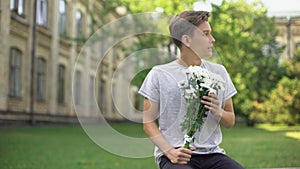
[
  {"x": 77, "y": 91},
  {"x": 61, "y": 84},
  {"x": 17, "y": 6},
  {"x": 15, "y": 66},
  {"x": 102, "y": 95},
  {"x": 91, "y": 91},
  {"x": 79, "y": 23},
  {"x": 42, "y": 12},
  {"x": 41, "y": 80},
  {"x": 62, "y": 17}
]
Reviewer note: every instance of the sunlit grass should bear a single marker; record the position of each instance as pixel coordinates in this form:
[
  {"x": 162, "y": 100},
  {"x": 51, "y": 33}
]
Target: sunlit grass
[
  {"x": 278, "y": 127},
  {"x": 290, "y": 131},
  {"x": 295, "y": 135}
]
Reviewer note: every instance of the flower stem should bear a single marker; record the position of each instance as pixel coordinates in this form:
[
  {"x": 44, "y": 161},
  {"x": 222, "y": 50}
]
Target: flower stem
[{"x": 198, "y": 122}]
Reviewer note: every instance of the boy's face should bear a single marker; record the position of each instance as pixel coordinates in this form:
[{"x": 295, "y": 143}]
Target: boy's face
[{"x": 202, "y": 41}]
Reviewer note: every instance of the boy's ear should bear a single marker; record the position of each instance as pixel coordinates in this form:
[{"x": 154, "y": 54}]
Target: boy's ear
[{"x": 186, "y": 40}]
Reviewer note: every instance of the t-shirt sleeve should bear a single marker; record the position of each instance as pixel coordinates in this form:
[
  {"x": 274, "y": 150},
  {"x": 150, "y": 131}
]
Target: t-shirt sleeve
[
  {"x": 230, "y": 89},
  {"x": 150, "y": 86}
]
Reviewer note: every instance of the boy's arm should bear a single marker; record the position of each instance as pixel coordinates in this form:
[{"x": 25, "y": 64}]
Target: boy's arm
[
  {"x": 228, "y": 116},
  {"x": 176, "y": 156}
]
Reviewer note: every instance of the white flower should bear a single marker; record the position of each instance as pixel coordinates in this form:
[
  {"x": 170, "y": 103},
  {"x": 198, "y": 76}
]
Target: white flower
[
  {"x": 205, "y": 85},
  {"x": 198, "y": 71},
  {"x": 208, "y": 81},
  {"x": 190, "y": 90},
  {"x": 199, "y": 81},
  {"x": 194, "y": 68},
  {"x": 183, "y": 84}
]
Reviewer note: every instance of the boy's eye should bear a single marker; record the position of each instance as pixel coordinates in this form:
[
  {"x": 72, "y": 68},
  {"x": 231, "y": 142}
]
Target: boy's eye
[{"x": 206, "y": 33}]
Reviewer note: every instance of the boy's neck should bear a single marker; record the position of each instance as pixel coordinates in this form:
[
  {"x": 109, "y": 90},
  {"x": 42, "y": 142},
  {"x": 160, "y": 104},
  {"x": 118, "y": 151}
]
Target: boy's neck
[{"x": 189, "y": 60}]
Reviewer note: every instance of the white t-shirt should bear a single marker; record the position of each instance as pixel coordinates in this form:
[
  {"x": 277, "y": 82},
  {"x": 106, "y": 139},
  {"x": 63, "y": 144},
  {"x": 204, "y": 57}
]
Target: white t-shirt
[{"x": 161, "y": 86}]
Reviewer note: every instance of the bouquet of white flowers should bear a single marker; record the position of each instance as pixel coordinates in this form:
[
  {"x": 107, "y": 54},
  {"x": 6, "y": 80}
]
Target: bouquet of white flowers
[{"x": 199, "y": 83}]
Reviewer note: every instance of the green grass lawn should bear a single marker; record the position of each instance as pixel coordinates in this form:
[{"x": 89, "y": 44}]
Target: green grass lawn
[{"x": 69, "y": 147}]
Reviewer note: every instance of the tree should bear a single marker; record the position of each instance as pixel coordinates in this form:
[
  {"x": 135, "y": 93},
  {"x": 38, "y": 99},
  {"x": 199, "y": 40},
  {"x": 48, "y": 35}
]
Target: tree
[
  {"x": 138, "y": 42},
  {"x": 283, "y": 105},
  {"x": 245, "y": 40},
  {"x": 241, "y": 31}
]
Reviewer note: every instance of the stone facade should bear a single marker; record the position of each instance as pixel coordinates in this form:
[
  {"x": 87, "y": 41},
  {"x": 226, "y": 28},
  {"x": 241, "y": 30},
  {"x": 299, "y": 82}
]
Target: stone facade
[
  {"x": 289, "y": 33},
  {"x": 56, "y": 55}
]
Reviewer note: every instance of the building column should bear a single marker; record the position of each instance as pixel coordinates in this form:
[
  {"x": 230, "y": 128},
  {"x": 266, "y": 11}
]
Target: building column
[
  {"x": 54, "y": 59},
  {"x": 4, "y": 53},
  {"x": 73, "y": 55},
  {"x": 109, "y": 82}
]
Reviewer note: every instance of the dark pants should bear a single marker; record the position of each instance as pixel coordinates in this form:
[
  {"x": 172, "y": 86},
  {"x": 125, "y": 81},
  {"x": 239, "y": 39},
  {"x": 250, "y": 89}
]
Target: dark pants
[{"x": 205, "y": 161}]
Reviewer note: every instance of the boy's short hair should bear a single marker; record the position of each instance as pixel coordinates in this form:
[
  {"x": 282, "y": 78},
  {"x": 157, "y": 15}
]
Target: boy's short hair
[{"x": 185, "y": 23}]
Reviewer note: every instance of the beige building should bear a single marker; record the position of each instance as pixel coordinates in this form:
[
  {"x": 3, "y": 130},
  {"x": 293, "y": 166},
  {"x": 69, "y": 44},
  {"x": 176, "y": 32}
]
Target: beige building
[
  {"x": 60, "y": 26},
  {"x": 288, "y": 25}
]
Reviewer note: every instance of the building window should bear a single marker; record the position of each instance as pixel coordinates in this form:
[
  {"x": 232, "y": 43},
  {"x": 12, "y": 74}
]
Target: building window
[
  {"x": 61, "y": 84},
  {"x": 41, "y": 17},
  {"x": 62, "y": 17},
  {"x": 114, "y": 94},
  {"x": 15, "y": 72},
  {"x": 92, "y": 90},
  {"x": 17, "y": 6},
  {"x": 77, "y": 90},
  {"x": 102, "y": 93},
  {"x": 79, "y": 23},
  {"x": 41, "y": 79}
]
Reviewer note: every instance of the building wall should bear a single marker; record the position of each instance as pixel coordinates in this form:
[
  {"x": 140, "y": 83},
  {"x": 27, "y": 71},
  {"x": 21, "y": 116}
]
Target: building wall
[
  {"x": 16, "y": 31},
  {"x": 289, "y": 35}
]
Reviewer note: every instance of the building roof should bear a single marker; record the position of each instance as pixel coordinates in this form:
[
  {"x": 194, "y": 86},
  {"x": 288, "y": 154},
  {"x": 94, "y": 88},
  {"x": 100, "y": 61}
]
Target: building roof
[{"x": 288, "y": 14}]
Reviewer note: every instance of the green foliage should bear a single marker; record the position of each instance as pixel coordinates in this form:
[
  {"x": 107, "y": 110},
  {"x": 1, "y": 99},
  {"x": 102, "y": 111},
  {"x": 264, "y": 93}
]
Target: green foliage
[
  {"x": 245, "y": 40},
  {"x": 144, "y": 40},
  {"x": 292, "y": 66},
  {"x": 139, "y": 78},
  {"x": 169, "y": 7},
  {"x": 241, "y": 31},
  {"x": 283, "y": 105}
]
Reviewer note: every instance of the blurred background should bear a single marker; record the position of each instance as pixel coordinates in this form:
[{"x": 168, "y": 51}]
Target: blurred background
[
  {"x": 43, "y": 77},
  {"x": 257, "y": 41}
]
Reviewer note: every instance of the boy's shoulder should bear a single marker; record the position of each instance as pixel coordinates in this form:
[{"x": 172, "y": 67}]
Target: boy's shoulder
[
  {"x": 167, "y": 66},
  {"x": 213, "y": 66}
]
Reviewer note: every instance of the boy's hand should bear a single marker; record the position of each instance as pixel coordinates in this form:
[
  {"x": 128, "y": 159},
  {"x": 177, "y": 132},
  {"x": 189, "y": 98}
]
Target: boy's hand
[
  {"x": 180, "y": 155},
  {"x": 212, "y": 103}
]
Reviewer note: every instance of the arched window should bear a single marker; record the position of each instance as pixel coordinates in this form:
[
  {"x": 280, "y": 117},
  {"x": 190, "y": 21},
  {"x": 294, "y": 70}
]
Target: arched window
[
  {"x": 41, "y": 79},
  {"x": 62, "y": 16},
  {"x": 41, "y": 12},
  {"x": 61, "y": 84},
  {"x": 79, "y": 23},
  {"x": 15, "y": 63},
  {"x": 17, "y": 6}
]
